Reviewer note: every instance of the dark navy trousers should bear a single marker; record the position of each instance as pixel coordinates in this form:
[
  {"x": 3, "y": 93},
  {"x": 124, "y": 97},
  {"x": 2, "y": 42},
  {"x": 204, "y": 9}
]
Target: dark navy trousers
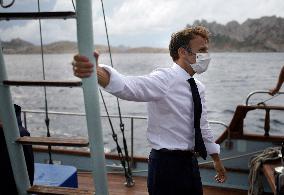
[{"x": 173, "y": 173}]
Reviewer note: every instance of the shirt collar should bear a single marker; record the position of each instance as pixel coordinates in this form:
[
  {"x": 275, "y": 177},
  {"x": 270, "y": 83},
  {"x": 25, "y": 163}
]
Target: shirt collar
[{"x": 181, "y": 72}]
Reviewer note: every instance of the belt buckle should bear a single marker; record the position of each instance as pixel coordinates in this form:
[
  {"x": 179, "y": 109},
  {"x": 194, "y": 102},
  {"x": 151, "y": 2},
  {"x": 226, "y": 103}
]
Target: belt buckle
[{"x": 196, "y": 154}]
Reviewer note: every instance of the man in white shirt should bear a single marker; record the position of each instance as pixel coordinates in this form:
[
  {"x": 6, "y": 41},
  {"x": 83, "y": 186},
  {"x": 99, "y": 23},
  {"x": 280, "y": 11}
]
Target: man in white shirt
[{"x": 177, "y": 115}]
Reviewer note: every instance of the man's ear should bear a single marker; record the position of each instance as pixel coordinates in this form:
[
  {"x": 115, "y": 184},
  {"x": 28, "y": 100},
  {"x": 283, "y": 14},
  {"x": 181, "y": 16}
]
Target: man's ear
[{"x": 181, "y": 52}]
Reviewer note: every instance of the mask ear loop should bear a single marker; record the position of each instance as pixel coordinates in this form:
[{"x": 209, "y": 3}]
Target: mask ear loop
[{"x": 189, "y": 51}]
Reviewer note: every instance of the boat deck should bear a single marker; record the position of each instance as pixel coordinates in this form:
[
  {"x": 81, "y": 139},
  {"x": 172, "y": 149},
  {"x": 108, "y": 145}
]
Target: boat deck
[{"x": 116, "y": 186}]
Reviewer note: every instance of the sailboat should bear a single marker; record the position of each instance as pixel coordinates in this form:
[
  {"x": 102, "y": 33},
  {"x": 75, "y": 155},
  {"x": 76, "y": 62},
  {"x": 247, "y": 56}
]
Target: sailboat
[{"x": 96, "y": 172}]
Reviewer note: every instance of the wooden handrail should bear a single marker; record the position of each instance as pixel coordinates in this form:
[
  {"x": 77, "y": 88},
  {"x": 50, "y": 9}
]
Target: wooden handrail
[
  {"x": 53, "y": 141},
  {"x": 236, "y": 127},
  {"x": 36, "y": 189},
  {"x": 43, "y": 83},
  {"x": 36, "y": 15}
]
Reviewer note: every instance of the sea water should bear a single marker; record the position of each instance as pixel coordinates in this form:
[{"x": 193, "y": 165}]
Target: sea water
[{"x": 229, "y": 79}]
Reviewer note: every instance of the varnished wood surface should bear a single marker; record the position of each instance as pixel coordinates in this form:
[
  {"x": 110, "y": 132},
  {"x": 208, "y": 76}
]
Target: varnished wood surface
[
  {"x": 50, "y": 190},
  {"x": 116, "y": 186},
  {"x": 236, "y": 126},
  {"x": 53, "y": 141},
  {"x": 36, "y": 15},
  {"x": 268, "y": 170},
  {"x": 43, "y": 83}
]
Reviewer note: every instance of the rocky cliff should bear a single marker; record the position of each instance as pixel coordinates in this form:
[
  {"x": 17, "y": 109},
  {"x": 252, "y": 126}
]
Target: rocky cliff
[
  {"x": 18, "y": 46},
  {"x": 264, "y": 34}
]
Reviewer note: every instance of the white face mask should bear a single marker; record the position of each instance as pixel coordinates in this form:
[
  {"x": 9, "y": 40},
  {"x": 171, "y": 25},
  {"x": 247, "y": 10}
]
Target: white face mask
[{"x": 202, "y": 62}]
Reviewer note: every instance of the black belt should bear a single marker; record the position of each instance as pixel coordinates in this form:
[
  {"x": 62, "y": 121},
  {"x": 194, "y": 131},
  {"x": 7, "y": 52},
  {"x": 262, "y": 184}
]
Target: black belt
[{"x": 176, "y": 152}]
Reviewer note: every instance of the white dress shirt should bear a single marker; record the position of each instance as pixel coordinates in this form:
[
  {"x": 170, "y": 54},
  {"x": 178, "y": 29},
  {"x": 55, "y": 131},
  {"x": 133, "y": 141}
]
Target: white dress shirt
[{"x": 170, "y": 106}]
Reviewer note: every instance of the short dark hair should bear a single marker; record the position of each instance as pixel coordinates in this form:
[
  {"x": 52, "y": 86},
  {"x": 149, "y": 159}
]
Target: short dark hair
[{"x": 182, "y": 38}]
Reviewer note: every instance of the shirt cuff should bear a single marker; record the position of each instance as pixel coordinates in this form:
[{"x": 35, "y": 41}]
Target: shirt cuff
[
  {"x": 116, "y": 82},
  {"x": 212, "y": 148}
]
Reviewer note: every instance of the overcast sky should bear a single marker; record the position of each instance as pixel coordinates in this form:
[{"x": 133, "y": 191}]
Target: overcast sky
[{"x": 136, "y": 22}]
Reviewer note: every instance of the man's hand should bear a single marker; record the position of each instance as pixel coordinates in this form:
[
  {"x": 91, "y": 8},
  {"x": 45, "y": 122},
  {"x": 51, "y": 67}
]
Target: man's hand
[
  {"x": 82, "y": 67},
  {"x": 220, "y": 170}
]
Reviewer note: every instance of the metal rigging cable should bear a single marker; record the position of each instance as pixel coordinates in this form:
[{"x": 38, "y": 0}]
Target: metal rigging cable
[
  {"x": 74, "y": 5},
  {"x": 45, "y": 96},
  {"x": 119, "y": 151},
  {"x": 263, "y": 102},
  {"x": 129, "y": 179}
]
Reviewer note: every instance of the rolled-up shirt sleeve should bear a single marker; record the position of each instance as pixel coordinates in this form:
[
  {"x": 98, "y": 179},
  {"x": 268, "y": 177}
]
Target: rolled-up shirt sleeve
[
  {"x": 137, "y": 88},
  {"x": 207, "y": 134},
  {"x": 116, "y": 82}
]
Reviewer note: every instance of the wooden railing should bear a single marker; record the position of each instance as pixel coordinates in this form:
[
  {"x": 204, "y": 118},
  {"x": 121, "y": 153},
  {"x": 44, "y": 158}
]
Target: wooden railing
[
  {"x": 235, "y": 129},
  {"x": 130, "y": 117}
]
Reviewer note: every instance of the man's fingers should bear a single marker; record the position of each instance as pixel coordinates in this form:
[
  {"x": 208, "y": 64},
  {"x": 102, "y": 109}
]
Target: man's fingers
[
  {"x": 82, "y": 67},
  {"x": 80, "y": 64},
  {"x": 82, "y": 75},
  {"x": 96, "y": 54},
  {"x": 82, "y": 70},
  {"x": 80, "y": 58},
  {"x": 85, "y": 75},
  {"x": 221, "y": 177}
]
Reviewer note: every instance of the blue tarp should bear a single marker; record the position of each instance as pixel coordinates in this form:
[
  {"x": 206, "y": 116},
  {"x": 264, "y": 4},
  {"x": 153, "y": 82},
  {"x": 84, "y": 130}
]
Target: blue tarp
[{"x": 55, "y": 175}]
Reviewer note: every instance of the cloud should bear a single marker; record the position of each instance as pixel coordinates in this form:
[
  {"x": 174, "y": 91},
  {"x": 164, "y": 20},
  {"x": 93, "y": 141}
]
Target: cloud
[
  {"x": 142, "y": 16},
  {"x": 24, "y": 32},
  {"x": 224, "y": 11},
  {"x": 138, "y": 22},
  {"x": 51, "y": 31}
]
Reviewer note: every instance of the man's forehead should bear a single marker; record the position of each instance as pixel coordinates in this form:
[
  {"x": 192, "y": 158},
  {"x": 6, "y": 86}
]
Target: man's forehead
[{"x": 199, "y": 42}]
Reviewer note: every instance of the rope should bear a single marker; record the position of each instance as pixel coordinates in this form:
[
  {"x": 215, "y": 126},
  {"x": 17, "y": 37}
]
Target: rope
[
  {"x": 129, "y": 172},
  {"x": 263, "y": 102},
  {"x": 45, "y": 96},
  {"x": 233, "y": 157},
  {"x": 74, "y": 5},
  {"x": 110, "y": 56},
  {"x": 203, "y": 163},
  {"x": 114, "y": 136},
  {"x": 8, "y": 5}
]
